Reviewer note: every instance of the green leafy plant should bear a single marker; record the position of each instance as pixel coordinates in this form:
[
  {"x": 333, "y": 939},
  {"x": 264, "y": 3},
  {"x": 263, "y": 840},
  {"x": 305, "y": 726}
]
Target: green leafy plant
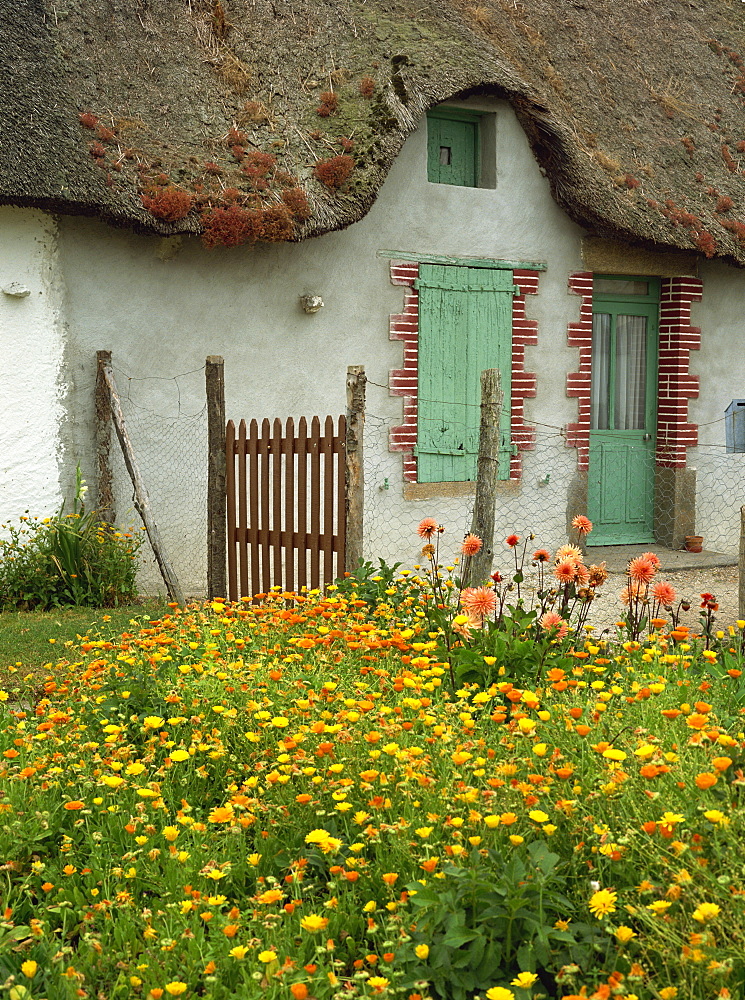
[
  {"x": 493, "y": 919},
  {"x": 69, "y": 559}
]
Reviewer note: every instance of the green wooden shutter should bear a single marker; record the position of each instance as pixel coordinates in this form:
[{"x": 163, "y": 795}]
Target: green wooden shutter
[
  {"x": 465, "y": 326},
  {"x": 452, "y": 150}
]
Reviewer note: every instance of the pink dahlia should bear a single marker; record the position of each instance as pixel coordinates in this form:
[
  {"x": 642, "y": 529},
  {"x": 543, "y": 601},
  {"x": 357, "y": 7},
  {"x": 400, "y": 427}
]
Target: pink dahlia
[
  {"x": 471, "y": 545},
  {"x": 664, "y": 593},
  {"x": 653, "y": 558},
  {"x": 478, "y": 601},
  {"x": 565, "y": 571},
  {"x": 582, "y": 524},
  {"x": 427, "y": 528},
  {"x": 552, "y": 620},
  {"x": 569, "y": 552},
  {"x": 641, "y": 569}
]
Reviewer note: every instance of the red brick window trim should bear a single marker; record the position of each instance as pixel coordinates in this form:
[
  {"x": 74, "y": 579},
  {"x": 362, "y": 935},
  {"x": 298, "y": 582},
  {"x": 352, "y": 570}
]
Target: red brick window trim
[
  {"x": 403, "y": 381},
  {"x": 675, "y": 385}
]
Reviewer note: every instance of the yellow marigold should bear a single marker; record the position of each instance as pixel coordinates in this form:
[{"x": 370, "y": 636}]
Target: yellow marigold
[
  {"x": 706, "y": 912},
  {"x": 176, "y": 988},
  {"x": 239, "y": 952},
  {"x": 221, "y": 814},
  {"x": 112, "y": 780},
  {"x": 28, "y": 968},
  {"x": 155, "y": 722},
  {"x": 624, "y": 934},
  {"x": 170, "y": 832},
  {"x": 659, "y": 906},
  {"x": 267, "y": 956},
  {"x": 602, "y": 903},
  {"x": 270, "y": 896},
  {"x": 715, "y": 816},
  {"x": 314, "y": 923},
  {"x": 524, "y": 979}
]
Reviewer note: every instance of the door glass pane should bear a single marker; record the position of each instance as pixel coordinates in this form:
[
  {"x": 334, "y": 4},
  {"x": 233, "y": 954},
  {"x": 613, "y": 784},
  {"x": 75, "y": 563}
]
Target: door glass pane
[
  {"x": 600, "y": 384},
  {"x": 611, "y": 286},
  {"x": 630, "y": 395}
]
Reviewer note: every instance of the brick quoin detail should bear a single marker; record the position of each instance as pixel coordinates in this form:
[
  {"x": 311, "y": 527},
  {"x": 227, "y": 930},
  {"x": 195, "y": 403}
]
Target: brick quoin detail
[
  {"x": 404, "y": 381},
  {"x": 578, "y": 383},
  {"x": 675, "y": 384}
]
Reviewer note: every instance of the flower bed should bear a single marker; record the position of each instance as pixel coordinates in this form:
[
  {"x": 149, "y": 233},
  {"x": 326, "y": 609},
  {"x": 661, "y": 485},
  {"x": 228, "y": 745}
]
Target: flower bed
[{"x": 292, "y": 800}]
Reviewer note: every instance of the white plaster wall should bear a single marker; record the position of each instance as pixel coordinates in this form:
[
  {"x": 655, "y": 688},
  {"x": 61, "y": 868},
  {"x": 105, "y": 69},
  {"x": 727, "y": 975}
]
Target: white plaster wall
[
  {"x": 31, "y": 365},
  {"x": 163, "y": 317},
  {"x": 720, "y": 367}
]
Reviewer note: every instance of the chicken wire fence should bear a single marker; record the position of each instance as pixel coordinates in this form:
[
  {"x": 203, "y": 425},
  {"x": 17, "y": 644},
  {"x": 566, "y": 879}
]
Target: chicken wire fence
[
  {"x": 167, "y": 423},
  {"x": 706, "y": 497},
  {"x": 166, "y": 419}
]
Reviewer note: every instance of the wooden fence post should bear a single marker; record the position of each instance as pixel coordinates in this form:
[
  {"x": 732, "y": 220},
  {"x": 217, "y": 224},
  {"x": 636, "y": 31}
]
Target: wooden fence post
[
  {"x": 105, "y": 506},
  {"x": 741, "y": 564},
  {"x": 216, "y": 487},
  {"x": 142, "y": 500},
  {"x": 355, "y": 475},
  {"x": 479, "y": 566}
]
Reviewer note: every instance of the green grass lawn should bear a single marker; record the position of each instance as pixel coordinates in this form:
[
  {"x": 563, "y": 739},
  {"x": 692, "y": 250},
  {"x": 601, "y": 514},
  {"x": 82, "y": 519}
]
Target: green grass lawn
[{"x": 31, "y": 639}]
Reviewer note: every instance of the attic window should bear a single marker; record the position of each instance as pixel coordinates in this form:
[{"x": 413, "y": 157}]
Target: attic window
[{"x": 454, "y": 143}]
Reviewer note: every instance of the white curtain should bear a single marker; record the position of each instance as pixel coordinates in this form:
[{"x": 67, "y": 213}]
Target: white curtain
[
  {"x": 599, "y": 385},
  {"x": 630, "y": 375}
]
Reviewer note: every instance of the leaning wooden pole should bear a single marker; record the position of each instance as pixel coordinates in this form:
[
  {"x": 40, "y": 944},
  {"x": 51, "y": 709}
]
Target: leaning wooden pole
[
  {"x": 355, "y": 475},
  {"x": 142, "y": 500},
  {"x": 478, "y": 567},
  {"x": 216, "y": 486},
  {"x": 105, "y": 507},
  {"x": 741, "y": 564}
]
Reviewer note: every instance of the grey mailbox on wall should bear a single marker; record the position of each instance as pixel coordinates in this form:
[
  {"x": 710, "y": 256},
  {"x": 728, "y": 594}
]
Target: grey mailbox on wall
[{"x": 734, "y": 425}]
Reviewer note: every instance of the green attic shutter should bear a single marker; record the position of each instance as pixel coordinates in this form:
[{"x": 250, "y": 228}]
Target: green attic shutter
[
  {"x": 452, "y": 148},
  {"x": 465, "y": 326}
]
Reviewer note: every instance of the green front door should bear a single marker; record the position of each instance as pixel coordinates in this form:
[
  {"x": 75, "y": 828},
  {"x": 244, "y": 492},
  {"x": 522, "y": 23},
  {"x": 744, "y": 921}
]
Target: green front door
[{"x": 623, "y": 411}]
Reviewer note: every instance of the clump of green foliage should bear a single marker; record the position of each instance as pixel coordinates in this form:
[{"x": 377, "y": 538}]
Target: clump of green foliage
[{"x": 71, "y": 558}]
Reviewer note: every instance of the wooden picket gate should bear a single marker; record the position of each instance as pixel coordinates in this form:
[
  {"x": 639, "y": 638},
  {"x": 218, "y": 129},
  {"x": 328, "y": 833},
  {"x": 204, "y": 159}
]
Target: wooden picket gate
[{"x": 286, "y": 504}]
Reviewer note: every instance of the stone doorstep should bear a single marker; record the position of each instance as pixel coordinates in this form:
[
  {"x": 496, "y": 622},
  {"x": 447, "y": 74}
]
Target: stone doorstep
[{"x": 616, "y": 557}]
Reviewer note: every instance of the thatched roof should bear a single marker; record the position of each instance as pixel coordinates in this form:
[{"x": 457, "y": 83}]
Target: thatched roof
[{"x": 145, "y": 111}]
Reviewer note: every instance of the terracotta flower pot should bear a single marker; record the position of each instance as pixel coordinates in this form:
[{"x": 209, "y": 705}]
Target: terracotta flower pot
[{"x": 694, "y": 543}]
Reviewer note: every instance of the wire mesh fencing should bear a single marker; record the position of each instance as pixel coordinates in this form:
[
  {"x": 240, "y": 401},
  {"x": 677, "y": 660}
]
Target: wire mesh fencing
[
  {"x": 643, "y": 503},
  {"x": 166, "y": 419},
  {"x": 167, "y": 423}
]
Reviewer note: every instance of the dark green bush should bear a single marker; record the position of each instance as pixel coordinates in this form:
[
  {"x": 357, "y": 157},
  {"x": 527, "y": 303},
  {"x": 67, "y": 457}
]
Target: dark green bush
[{"x": 71, "y": 558}]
